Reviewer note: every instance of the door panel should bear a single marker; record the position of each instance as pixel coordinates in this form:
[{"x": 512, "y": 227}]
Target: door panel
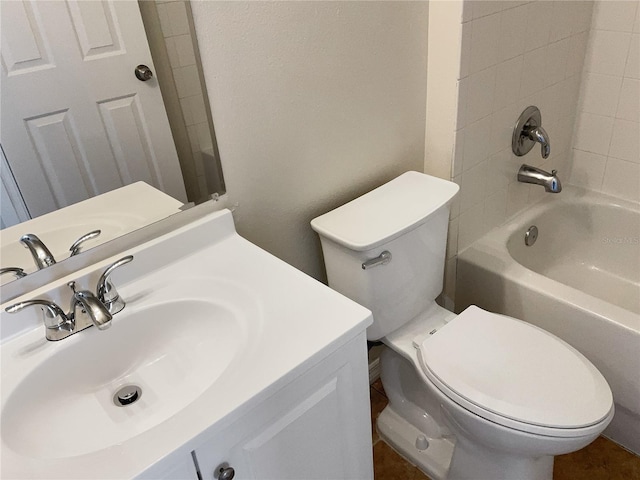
[{"x": 76, "y": 122}]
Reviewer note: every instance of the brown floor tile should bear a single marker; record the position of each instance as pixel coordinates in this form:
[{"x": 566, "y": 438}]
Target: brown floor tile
[
  {"x": 378, "y": 402},
  {"x": 377, "y": 385},
  {"x": 601, "y": 460},
  {"x": 388, "y": 465}
]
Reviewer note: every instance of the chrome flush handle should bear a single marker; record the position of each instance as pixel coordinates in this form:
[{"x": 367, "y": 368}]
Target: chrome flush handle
[{"x": 382, "y": 259}]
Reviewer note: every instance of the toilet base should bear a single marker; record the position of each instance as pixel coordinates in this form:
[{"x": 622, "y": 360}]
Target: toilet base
[
  {"x": 472, "y": 462},
  {"x": 402, "y": 436}
]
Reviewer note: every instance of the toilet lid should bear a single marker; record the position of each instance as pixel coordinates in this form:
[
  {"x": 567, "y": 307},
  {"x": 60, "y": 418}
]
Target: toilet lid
[{"x": 501, "y": 367}]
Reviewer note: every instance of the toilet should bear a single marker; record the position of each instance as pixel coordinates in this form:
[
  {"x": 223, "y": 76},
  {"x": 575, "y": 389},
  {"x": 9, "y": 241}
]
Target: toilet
[{"x": 476, "y": 395}]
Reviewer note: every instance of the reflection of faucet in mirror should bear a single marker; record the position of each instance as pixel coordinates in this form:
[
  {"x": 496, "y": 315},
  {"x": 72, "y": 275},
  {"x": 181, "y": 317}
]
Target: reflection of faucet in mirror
[
  {"x": 40, "y": 253},
  {"x": 43, "y": 256},
  {"x": 105, "y": 217},
  {"x": 18, "y": 272}
]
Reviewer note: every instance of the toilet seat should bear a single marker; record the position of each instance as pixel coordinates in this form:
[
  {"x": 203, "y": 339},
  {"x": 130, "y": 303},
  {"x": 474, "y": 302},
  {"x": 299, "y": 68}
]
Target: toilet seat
[{"x": 515, "y": 374}]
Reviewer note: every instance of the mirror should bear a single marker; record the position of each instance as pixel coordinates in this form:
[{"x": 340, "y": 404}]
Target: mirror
[{"x": 78, "y": 122}]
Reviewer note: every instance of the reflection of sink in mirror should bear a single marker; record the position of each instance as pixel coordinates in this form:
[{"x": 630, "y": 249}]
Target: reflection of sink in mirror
[
  {"x": 115, "y": 213},
  {"x": 172, "y": 351}
]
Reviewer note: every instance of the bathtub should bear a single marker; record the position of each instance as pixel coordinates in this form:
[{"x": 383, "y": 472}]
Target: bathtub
[{"x": 580, "y": 280}]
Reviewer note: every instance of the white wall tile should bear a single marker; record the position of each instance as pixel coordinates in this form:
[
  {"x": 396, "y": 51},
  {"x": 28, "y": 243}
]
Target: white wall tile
[
  {"x": 463, "y": 94},
  {"x": 556, "y": 61},
  {"x": 477, "y": 143},
  {"x": 508, "y": 76},
  {"x": 184, "y": 50},
  {"x": 587, "y": 170},
  {"x": 480, "y": 94},
  {"x": 581, "y": 16},
  {"x": 562, "y": 19},
  {"x": 533, "y": 72},
  {"x": 178, "y": 23},
  {"x": 512, "y": 40},
  {"x": 473, "y": 186},
  {"x": 495, "y": 208},
  {"x": 458, "y": 153},
  {"x": 538, "y": 24},
  {"x": 622, "y": 179},
  {"x": 607, "y": 52},
  {"x": 484, "y": 42},
  {"x": 454, "y": 212},
  {"x": 632, "y": 68},
  {"x": 593, "y": 133},
  {"x": 615, "y": 15},
  {"x": 467, "y": 11},
  {"x": 502, "y": 123},
  {"x": 193, "y": 109},
  {"x": 471, "y": 226},
  {"x": 502, "y": 169},
  {"x": 625, "y": 141},
  {"x": 465, "y": 50},
  {"x": 482, "y": 8},
  {"x": 452, "y": 238},
  {"x": 629, "y": 103},
  {"x": 577, "y": 52},
  {"x": 598, "y": 94},
  {"x": 517, "y": 197},
  {"x": 187, "y": 81}
]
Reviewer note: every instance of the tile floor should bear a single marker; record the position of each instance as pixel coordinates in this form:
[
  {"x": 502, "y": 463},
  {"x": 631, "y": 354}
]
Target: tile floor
[{"x": 602, "y": 460}]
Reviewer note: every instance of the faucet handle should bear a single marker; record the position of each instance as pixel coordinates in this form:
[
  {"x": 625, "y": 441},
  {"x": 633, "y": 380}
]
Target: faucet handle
[
  {"x": 75, "y": 248},
  {"x": 17, "y": 271},
  {"x": 52, "y": 315},
  {"x": 106, "y": 290}
]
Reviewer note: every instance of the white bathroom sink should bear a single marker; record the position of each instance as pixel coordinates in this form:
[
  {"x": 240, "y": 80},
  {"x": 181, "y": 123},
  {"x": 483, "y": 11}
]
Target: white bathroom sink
[{"x": 172, "y": 351}]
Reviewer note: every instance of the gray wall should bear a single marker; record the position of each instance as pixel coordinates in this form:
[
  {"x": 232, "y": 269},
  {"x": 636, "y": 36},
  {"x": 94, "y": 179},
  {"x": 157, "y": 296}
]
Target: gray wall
[{"x": 314, "y": 103}]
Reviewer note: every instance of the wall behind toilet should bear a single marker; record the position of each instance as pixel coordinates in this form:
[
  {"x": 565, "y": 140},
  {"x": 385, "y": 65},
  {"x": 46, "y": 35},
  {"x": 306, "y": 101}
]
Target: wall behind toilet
[{"x": 314, "y": 103}]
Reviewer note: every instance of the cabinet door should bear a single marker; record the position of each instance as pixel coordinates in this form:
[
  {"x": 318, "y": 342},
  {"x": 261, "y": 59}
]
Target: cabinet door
[{"x": 315, "y": 428}]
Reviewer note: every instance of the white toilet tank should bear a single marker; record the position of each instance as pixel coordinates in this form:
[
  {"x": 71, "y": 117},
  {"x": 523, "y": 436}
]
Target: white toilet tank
[{"x": 407, "y": 217}]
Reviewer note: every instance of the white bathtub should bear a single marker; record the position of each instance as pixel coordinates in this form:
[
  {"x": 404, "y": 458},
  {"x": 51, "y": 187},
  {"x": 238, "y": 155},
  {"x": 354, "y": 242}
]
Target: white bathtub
[{"x": 580, "y": 281}]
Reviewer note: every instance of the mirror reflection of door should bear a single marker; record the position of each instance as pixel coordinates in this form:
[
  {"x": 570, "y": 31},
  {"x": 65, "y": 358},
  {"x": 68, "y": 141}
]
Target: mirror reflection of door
[{"x": 76, "y": 121}]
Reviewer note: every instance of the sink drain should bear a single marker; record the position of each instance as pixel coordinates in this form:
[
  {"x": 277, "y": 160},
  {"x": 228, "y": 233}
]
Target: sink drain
[{"x": 127, "y": 395}]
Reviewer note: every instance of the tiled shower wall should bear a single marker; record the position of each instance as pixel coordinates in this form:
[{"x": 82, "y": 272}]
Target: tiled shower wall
[
  {"x": 179, "y": 41},
  {"x": 514, "y": 54},
  {"x": 606, "y": 153}
]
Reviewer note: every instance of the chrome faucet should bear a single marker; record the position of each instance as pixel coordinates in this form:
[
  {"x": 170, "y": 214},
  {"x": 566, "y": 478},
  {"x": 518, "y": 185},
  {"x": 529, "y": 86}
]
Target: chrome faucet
[
  {"x": 40, "y": 253},
  {"x": 43, "y": 256},
  {"x": 86, "y": 309},
  {"x": 537, "y": 176}
]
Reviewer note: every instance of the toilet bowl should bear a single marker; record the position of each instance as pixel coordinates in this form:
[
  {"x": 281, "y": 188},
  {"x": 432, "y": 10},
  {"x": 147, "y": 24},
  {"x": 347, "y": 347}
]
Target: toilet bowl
[
  {"x": 471, "y": 396},
  {"x": 503, "y": 437}
]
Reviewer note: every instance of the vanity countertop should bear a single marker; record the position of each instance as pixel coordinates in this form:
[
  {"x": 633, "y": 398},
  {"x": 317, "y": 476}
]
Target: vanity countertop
[{"x": 283, "y": 323}]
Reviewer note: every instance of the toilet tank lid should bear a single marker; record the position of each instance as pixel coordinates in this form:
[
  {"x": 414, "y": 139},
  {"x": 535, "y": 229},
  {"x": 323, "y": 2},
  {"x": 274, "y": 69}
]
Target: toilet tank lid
[{"x": 386, "y": 212}]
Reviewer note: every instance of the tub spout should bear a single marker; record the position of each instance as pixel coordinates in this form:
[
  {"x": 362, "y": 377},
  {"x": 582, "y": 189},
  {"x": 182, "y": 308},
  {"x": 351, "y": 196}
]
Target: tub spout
[{"x": 537, "y": 176}]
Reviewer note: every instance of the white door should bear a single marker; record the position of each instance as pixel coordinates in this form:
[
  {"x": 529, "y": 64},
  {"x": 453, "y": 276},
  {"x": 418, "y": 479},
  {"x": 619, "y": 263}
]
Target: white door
[{"x": 75, "y": 120}]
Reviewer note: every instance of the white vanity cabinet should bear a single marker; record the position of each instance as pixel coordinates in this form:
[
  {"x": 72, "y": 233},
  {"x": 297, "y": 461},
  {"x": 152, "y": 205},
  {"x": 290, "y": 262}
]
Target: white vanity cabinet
[{"x": 316, "y": 427}]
